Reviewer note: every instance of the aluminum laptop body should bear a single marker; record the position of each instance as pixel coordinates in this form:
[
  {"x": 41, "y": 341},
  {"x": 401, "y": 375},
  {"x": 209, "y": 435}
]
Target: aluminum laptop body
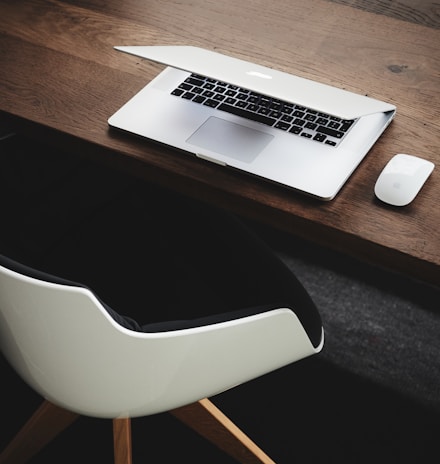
[{"x": 311, "y": 163}]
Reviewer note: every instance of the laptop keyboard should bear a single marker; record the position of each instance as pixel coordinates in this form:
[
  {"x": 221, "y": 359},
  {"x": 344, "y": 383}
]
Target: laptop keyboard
[{"x": 287, "y": 117}]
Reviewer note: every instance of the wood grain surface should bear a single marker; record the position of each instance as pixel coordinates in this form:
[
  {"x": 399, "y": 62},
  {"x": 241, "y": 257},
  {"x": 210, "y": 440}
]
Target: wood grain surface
[
  {"x": 424, "y": 12},
  {"x": 61, "y": 79}
]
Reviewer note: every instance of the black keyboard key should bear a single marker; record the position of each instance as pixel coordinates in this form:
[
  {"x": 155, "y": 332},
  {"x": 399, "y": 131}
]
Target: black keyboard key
[
  {"x": 320, "y": 137},
  {"x": 322, "y": 121},
  {"x": 328, "y": 131},
  {"x": 230, "y": 101},
  {"x": 177, "y": 92},
  {"x": 264, "y": 110},
  {"x": 188, "y": 95},
  {"x": 185, "y": 86},
  {"x": 247, "y": 114},
  {"x": 299, "y": 122},
  {"x": 276, "y": 114},
  {"x": 296, "y": 129},
  {"x": 194, "y": 81},
  {"x": 211, "y": 103},
  {"x": 346, "y": 124},
  {"x": 282, "y": 125},
  {"x": 334, "y": 124}
]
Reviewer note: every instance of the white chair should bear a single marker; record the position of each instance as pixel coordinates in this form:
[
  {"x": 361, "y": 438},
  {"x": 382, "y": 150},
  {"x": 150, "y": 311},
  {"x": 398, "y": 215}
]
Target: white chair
[{"x": 63, "y": 342}]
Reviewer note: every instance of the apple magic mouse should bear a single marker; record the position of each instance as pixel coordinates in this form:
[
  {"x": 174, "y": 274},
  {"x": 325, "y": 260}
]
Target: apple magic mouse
[{"x": 402, "y": 178}]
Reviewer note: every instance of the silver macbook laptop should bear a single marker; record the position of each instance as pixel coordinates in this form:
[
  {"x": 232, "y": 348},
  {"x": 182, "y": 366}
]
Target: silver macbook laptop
[{"x": 295, "y": 132}]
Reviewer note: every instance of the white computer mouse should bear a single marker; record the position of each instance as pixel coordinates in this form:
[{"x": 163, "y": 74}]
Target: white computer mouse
[{"x": 402, "y": 178}]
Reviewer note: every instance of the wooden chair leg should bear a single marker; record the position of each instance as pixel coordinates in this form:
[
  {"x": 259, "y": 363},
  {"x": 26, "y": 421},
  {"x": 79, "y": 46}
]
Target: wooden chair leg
[
  {"x": 207, "y": 420},
  {"x": 43, "y": 426},
  {"x": 122, "y": 441}
]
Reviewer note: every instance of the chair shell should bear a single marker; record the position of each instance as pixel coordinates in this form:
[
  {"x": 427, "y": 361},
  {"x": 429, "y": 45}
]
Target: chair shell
[{"x": 61, "y": 340}]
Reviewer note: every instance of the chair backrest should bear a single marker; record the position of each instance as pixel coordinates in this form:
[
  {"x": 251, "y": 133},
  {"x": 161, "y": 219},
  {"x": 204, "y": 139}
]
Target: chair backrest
[{"x": 61, "y": 340}]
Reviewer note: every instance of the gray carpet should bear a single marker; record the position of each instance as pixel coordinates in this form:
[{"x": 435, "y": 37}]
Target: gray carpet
[{"x": 379, "y": 325}]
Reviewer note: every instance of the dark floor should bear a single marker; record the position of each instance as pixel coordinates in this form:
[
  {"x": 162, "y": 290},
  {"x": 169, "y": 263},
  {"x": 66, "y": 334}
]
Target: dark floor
[
  {"x": 372, "y": 394},
  {"x": 310, "y": 412}
]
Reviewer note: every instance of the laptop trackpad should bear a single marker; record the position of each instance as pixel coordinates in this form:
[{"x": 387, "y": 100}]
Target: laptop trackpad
[{"x": 230, "y": 139}]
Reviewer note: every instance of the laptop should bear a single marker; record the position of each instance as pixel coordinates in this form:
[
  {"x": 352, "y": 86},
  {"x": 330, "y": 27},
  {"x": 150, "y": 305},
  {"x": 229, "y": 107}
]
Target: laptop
[{"x": 281, "y": 128}]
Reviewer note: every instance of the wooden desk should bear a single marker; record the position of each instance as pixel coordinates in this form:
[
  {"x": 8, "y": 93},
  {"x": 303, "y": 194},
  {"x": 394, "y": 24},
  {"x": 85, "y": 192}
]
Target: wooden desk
[{"x": 61, "y": 80}]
